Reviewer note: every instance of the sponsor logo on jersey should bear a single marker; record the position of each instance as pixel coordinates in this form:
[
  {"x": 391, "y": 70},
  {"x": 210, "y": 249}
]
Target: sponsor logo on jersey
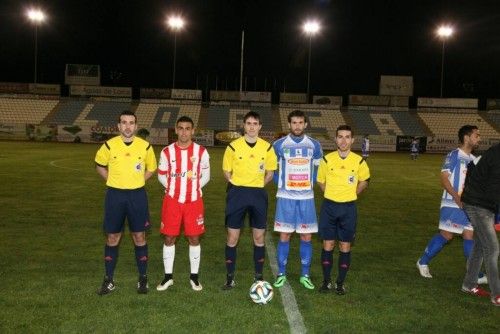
[{"x": 298, "y": 161}]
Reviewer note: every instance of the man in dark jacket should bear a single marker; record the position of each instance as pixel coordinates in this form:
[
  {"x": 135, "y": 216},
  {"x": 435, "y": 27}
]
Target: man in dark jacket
[{"x": 481, "y": 198}]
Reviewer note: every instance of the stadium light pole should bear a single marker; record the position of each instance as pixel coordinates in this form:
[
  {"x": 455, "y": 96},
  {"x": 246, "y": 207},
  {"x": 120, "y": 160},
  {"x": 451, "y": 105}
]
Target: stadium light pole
[
  {"x": 176, "y": 23},
  {"x": 36, "y": 16},
  {"x": 443, "y": 32},
  {"x": 310, "y": 28}
]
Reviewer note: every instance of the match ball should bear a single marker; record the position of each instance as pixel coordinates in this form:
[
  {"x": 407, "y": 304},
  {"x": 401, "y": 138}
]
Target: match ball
[{"x": 261, "y": 292}]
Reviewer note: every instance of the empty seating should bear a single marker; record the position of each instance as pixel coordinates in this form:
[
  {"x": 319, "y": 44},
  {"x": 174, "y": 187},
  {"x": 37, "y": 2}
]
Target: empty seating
[
  {"x": 364, "y": 124},
  {"x": 25, "y": 110},
  {"x": 447, "y": 124},
  {"x": 226, "y": 117},
  {"x": 106, "y": 113},
  {"x": 165, "y": 115},
  {"x": 494, "y": 118},
  {"x": 68, "y": 112}
]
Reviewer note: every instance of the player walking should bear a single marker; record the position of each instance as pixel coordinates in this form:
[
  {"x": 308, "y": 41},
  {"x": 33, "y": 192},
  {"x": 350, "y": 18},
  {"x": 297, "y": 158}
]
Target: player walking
[
  {"x": 183, "y": 170},
  {"x": 298, "y": 159},
  {"x": 452, "y": 218}
]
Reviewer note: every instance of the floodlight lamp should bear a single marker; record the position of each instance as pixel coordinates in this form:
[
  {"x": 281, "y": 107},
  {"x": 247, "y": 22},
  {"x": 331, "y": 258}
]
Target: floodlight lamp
[
  {"x": 445, "y": 31},
  {"x": 36, "y": 15},
  {"x": 175, "y": 22},
  {"x": 311, "y": 27}
]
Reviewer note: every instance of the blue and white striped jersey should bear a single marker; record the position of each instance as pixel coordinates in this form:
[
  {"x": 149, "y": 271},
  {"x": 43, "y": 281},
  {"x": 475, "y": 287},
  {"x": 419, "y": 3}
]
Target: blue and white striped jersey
[
  {"x": 298, "y": 160},
  {"x": 456, "y": 165}
]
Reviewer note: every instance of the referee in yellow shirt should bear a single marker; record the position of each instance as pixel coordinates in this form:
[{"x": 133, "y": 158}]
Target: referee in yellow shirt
[
  {"x": 125, "y": 162},
  {"x": 342, "y": 176},
  {"x": 248, "y": 165}
]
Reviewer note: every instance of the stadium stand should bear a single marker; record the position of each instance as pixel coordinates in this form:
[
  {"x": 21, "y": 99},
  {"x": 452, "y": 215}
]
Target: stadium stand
[
  {"x": 163, "y": 115},
  {"x": 106, "y": 113},
  {"x": 321, "y": 120},
  {"x": 391, "y": 122},
  {"x": 494, "y": 118},
  {"x": 218, "y": 117},
  {"x": 25, "y": 110},
  {"x": 225, "y": 116},
  {"x": 362, "y": 123},
  {"x": 409, "y": 123},
  {"x": 447, "y": 123},
  {"x": 66, "y": 112}
]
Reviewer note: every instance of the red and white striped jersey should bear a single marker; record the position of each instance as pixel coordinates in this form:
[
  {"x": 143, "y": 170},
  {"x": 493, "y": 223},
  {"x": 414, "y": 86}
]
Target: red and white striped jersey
[{"x": 184, "y": 171}]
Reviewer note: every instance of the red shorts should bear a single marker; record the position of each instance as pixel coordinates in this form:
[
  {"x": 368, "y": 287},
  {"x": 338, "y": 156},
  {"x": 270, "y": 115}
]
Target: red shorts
[{"x": 174, "y": 214}]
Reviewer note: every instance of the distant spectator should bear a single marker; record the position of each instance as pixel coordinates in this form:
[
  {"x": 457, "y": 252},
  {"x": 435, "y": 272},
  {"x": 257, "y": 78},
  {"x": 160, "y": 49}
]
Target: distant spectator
[
  {"x": 365, "y": 147},
  {"x": 414, "y": 149}
]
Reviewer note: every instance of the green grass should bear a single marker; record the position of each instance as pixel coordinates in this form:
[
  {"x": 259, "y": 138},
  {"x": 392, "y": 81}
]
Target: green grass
[{"x": 51, "y": 207}]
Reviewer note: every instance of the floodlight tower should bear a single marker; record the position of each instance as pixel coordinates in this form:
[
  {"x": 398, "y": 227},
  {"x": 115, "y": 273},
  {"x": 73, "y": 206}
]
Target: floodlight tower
[
  {"x": 175, "y": 23},
  {"x": 443, "y": 32},
  {"x": 37, "y": 17},
  {"x": 310, "y": 28}
]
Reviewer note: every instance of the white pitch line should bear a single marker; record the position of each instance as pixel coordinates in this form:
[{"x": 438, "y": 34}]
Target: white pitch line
[
  {"x": 295, "y": 319},
  {"x": 53, "y": 163}
]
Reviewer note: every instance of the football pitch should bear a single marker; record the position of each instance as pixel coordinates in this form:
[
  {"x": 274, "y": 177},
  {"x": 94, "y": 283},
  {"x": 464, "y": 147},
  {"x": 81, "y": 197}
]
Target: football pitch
[{"x": 51, "y": 246}]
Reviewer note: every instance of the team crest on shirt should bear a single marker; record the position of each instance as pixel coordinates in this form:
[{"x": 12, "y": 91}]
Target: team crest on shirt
[
  {"x": 261, "y": 166},
  {"x": 138, "y": 167},
  {"x": 350, "y": 179},
  {"x": 193, "y": 159}
]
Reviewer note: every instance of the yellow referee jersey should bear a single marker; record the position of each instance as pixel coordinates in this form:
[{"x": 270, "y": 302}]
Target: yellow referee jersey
[
  {"x": 247, "y": 164},
  {"x": 126, "y": 163},
  {"x": 342, "y": 176}
]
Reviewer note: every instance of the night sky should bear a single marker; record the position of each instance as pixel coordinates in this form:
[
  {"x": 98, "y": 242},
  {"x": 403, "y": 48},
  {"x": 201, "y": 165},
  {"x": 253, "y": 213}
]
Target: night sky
[{"x": 359, "y": 41}]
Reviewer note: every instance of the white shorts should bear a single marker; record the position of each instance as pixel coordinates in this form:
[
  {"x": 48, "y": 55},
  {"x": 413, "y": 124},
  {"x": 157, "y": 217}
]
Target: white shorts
[
  {"x": 454, "y": 220},
  {"x": 295, "y": 216}
]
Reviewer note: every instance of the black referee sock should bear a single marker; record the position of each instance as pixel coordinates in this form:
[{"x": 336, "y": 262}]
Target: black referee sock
[
  {"x": 326, "y": 263},
  {"x": 344, "y": 264},
  {"x": 259, "y": 253},
  {"x": 110, "y": 259},
  {"x": 230, "y": 259},
  {"x": 141, "y": 257}
]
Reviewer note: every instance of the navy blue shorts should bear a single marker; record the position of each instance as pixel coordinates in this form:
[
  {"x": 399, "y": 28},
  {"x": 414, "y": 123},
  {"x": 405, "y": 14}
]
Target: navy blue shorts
[
  {"x": 241, "y": 200},
  {"x": 337, "y": 221},
  {"x": 131, "y": 204}
]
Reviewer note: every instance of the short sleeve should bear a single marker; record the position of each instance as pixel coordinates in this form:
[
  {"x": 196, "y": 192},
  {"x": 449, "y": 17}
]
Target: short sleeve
[
  {"x": 318, "y": 153},
  {"x": 449, "y": 162},
  {"x": 321, "y": 178},
  {"x": 227, "y": 160},
  {"x": 271, "y": 159},
  {"x": 364, "y": 171},
  {"x": 102, "y": 155},
  {"x": 150, "y": 159}
]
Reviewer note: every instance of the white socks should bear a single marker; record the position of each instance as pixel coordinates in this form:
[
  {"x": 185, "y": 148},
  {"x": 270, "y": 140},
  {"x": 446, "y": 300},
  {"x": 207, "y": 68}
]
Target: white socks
[
  {"x": 168, "y": 258},
  {"x": 194, "y": 258}
]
